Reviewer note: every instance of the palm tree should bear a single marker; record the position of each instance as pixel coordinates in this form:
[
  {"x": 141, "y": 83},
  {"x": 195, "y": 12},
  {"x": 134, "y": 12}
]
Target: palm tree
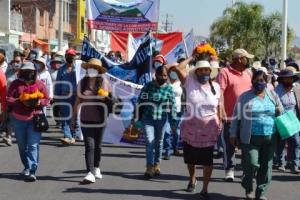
[{"x": 238, "y": 26}]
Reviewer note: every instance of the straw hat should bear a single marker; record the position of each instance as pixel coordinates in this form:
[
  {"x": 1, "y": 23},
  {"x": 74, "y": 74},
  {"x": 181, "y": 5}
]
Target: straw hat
[
  {"x": 205, "y": 64},
  {"x": 95, "y": 64}
]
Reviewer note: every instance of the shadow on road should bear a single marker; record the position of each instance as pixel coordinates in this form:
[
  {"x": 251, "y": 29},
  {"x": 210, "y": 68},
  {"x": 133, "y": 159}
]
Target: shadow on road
[
  {"x": 286, "y": 178},
  {"x": 167, "y": 194},
  {"x": 123, "y": 155},
  {"x": 12, "y": 176}
]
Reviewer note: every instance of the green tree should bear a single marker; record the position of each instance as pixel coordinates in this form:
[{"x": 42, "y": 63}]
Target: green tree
[
  {"x": 270, "y": 34},
  {"x": 245, "y": 26},
  {"x": 237, "y": 28}
]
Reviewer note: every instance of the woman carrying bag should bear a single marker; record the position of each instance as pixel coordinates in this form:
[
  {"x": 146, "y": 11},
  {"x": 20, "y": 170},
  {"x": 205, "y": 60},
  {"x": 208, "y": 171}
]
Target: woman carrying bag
[
  {"x": 289, "y": 94},
  {"x": 254, "y": 124},
  {"x": 26, "y": 97},
  {"x": 94, "y": 100}
]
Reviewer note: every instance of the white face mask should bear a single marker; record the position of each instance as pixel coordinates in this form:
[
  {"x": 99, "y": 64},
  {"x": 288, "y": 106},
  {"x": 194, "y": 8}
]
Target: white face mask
[
  {"x": 92, "y": 72},
  {"x": 157, "y": 64}
]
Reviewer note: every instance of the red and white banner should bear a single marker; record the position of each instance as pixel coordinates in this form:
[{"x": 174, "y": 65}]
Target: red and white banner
[{"x": 164, "y": 42}]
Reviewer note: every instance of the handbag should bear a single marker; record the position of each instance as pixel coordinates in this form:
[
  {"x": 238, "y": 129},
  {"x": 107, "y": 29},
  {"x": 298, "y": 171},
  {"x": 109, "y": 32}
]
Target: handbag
[
  {"x": 40, "y": 122},
  {"x": 287, "y": 125}
]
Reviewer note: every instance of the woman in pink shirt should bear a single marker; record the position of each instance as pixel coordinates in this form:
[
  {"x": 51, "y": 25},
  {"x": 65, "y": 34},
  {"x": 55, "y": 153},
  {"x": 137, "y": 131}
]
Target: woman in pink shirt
[
  {"x": 201, "y": 124},
  {"x": 26, "y": 97}
]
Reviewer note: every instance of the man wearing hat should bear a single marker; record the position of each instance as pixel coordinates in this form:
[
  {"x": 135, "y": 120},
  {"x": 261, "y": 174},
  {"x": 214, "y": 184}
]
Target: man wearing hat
[
  {"x": 289, "y": 94},
  {"x": 65, "y": 94},
  {"x": 234, "y": 80}
]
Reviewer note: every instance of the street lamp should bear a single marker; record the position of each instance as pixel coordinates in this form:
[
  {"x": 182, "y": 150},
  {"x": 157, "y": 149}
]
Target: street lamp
[
  {"x": 60, "y": 26},
  {"x": 284, "y": 33}
]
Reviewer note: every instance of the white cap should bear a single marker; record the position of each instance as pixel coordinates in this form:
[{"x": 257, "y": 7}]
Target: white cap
[{"x": 239, "y": 53}]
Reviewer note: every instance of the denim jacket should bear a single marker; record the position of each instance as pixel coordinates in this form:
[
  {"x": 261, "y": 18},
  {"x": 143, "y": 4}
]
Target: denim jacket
[
  {"x": 63, "y": 89},
  {"x": 242, "y": 117}
]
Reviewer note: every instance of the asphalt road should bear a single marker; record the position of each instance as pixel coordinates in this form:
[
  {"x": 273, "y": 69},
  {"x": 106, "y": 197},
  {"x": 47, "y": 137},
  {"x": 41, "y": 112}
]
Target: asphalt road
[{"x": 62, "y": 169}]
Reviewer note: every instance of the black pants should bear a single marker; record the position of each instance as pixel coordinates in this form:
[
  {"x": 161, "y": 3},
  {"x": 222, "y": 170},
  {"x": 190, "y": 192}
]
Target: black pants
[{"x": 92, "y": 141}]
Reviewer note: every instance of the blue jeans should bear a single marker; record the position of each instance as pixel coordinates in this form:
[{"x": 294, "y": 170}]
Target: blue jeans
[
  {"x": 154, "y": 131},
  {"x": 66, "y": 112},
  {"x": 28, "y": 141},
  {"x": 171, "y": 140},
  {"x": 293, "y": 143}
]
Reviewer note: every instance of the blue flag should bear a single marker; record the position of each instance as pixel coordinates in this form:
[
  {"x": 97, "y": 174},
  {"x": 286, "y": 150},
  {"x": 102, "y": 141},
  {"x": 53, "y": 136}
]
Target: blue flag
[{"x": 138, "y": 70}]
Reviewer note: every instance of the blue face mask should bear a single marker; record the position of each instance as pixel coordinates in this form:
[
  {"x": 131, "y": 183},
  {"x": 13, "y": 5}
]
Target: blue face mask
[
  {"x": 173, "y": 76},
  {"x": 259, "y": 86},
  {"x": 37, "y": 66},
  {"x": 203, "y": 78}
]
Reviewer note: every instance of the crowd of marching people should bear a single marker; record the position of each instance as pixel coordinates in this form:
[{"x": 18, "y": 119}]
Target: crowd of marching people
[{"x": 198, "y": 102}]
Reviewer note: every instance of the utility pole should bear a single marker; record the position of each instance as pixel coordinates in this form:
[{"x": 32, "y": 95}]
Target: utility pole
[
  {"x": 167, "y": 25},
  {"x": 60, "y": 25},
  {"x": 284, "y": 33}
]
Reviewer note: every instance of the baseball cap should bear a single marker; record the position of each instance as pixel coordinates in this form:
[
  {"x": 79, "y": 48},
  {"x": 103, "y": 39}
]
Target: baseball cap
[
  {"x": 71, "y": 52},
  {"x": 239, "y": 53},
  {"x": 160, "y": 58}
]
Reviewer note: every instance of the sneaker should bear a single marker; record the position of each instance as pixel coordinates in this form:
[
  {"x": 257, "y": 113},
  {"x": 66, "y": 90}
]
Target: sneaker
[
  {"x": 89, "y": 178},
  {"x": 167, "y": 157},
  {"x": 281, "y": 168},
  {"x": 67, "y": 141},
  {"x": 97, "y": 173},
  {"x": 149, "y": 172},
  {"x": 204, "y": 195},
  {"x": 72, "y": 141},
  {"x": 250, "y": 195},
  {"x": 31, "y": 178},
  {"x": 229, "y": 175},
  {"x": 7, "y": 141},
  {"x": 156, "y": 170},
  {"x": 191, "y": 186},
  {"x": 25, "y": 172},
  {"x": 295, "y": 170}
]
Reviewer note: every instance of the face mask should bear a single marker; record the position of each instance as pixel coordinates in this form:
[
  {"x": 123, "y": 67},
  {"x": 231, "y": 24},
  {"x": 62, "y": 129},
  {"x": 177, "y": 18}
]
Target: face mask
[
  {"x": 32, "y": 56},
  {"x": 38, "y": 66},
  {"x": 161, "y": 81},
  {"x": 92, "y": 72},
  {"x": 16, "y": 65},
  {"x": 287, "y": 84},
  {"x": 27, "y": 75},
  {"x": 203, "y": 78},
  {"x": 173, "y": 76},
  {"x": 259, "y": 86},
  {"x": 157, "y": 64},
  {"x": 70, "y": 60}
]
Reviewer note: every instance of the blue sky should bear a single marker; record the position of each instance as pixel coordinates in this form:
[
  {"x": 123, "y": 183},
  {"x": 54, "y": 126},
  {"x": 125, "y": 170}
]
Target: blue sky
[{"x": 199, "y": 14}]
